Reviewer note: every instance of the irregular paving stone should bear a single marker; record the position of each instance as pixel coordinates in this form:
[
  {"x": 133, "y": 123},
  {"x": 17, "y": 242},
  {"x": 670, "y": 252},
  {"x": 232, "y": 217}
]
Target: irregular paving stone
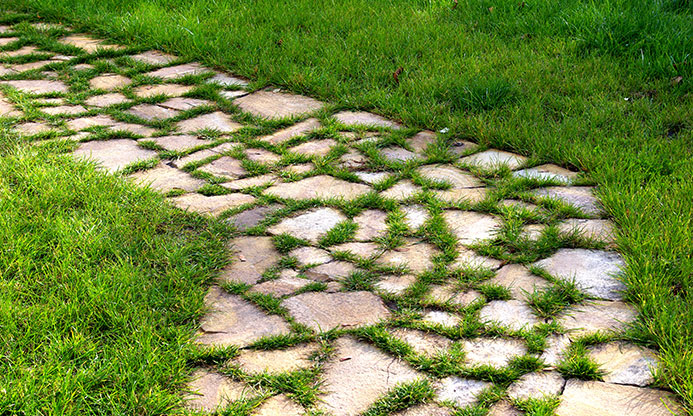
[
  {"x": 252, "y": 256},
  {"x": 401, "y": 190},
  {"x": 179, "y": 143},
  {"x": 107, "y": 100},
  {"x": 580, "y": 197},
  {"x": 372, "y": 177},
  {"x": 325, "y": 311},
  {"x": 32, "y": 66},
  {"x": 311, "y": 225},
  {"x": 395, "y": 284},
  {"x": 454, "y": 196},
  {"x": 462, "y": 147},
  {"x": 429, "y": 409},
  {"x": 371, "y": 224},
  {"x": 262, "y": 156},
  {"x": 441, "y": 318},
  {"x": 300, "y": 168},
  {"x": 270, "y": 104},
  {"x": 519, "y": 280},
  {"x": 492, "y": 159},
  {"x": 450, "y": 294},
  {"x": 154, "y": 58},
  {"x": 230, "y": 95},
  {"x": 50, "y": 101},
  {"x": 556, "y": 346},
  {"x": 398, "y": 154},
  {"x": 415, "y": 256},
  {"x": 87, "y": 43},
  {"x": 133, "y": 128},
  {"x": 31, "y": 128},
  {"x": 165, "y": 178},
  {"x": 185, "y": 103},
  {"x": 4, "y": 70},
  {"x": 596, "y": 316},
  {"x": 513, "y": 314},
  {"x": 468, "y": 259},
  {"x": 363, "y": 250},
  {"x": 234, "y": 321},
  {"x": 7, "y": 41},
  {"x": 336, "y": 270},
  {"x": 299, "y": 129},
  {"x": 26, "y": 50},
  {"x": 547, "y": 172},
  {"x": 353, "y": 160},
  {"x": 415, "y": 216},
  {"x": 83, "y": 67},
  {"x": 226, "y": 167},
  {"x": 37, "y": 86},
  {"x": 422, "y": 342},
  {"x": 495, "y": 352},
  {"x": 65, "y": 110},
  {"x": 7, "y": 109},
  {"x": 171, "y": 90},
  {"x": 151, "y": 112},
  {"x": 421, "y": 140},
  {"x": 252, "y": 217},
  {"x": 114, "y": 154},
  {"x": 321, "y": 186},
  {"x": 471, "y": 227},
  {"x": 358, "y": 375},
  {"x": 226, "y": 80},
  {"x": 178, "y": 71},
  {"x": 314, "y": 148},
  {"x": 285, "y": 285},
  {"x": 213, "y": 205},
  {"x": 310, "y": 256},
  {"x": 462, "y": 392},
  {"x": 503, "y": 408},
  {"x": 519, "y": 205},
  {"x": 595, "y": 272},
  {"x": 450, "y": 175},
  {"x": 214, "y": 121},
  {"x": 109, "y": 82},
  {"x": 93, "y": 121},
  {"x": 209, "y": 391},
  {"x": 194, "y": 157},
  {"x": 253, "y": 181},
  {"x": 537, "y": 386},
  {"x": 363, "y": 118},
  {"x": 600, "y": 230},
  {"x": 624, "y": 363},
  {"x": 589, "y": 398},
  {"x": 277, "y": 361},
  {"x": 279, "y": 405}
]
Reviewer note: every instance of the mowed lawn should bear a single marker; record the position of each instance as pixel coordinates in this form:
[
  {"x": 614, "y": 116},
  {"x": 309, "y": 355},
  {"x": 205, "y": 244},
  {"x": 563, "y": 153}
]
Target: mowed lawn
[{"x": 605, "y": 87}]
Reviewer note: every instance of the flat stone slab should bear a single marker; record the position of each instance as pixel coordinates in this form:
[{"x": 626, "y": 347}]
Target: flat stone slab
[
  {"x": 31, "y": 128},
  {"x": 306, "y": 256},
  {"x": 252, "y": 217},
  {"x": 589, "y": 398},
  {"x": 395, "y": 284},
  {"x": 512, "y": 314},
  {"x": 107, "y": 100},
  {"x": 537, "y": 386},
  {"x": 624, "y": 363},
  {"x": 359, "y": 249},
  {"x": 547, "y": 172},
  {"x": 213, "y": 205},
  {"x": 164, "y": 178},
  {"x": 372, "y": 177},
  {"x": 519, "y": 280},
  {"x": 556, "y": 346},
  {"x": 398, "y": 154},
  {"x": 185, "y": 103},
  {"x": 463, "y": 392},
  {"x": 335, "y": 270},
  {"x": 414, "y": 256},
  {"x": 298, "y": 129},
  {"x": 600, "y": 230},
  {"x": 114, "y": 154},
  {"x": 363, "y": 118},
  {"x": 227, "y": 80},
  {"x": 37, "y": 86},
  {"x": 270, "y": 104},
  {"x": 87, "y": 43},
  {"x": 314, "y": 148},
  {"x": 503, "y": 408},
  {"x": 262, "y": 156},
  {"x": 217, "y": 121},
  {"x": 493, "y": 159},
  {"x": 325, "y": 311},
  {"x": 450, "y": 175},
  {"x": 422, "y": 342},
  {"x": 250, "y": 182},
  {"x": 415, "y": 216},
  {"x": 451, "y": 295},
  {"x": 311, "y": 225},
  {"x": 285, "y": 285},
  {"x": 234, "y": 321},
  {"x": 154, "y": 58},
  {"x": 279, "y": 405},
  {"x": 468, "y": 259},
  {"x": 69, "y": 110},
  {"x": 87, "y": 122},
  {"x": 179, "y": 143},
  {"x": 178, "y": 71},
  {"x": 152, "y": 112},
  {"x": 441, "y": 318},
  {"x": 209, "y": 391},
  {"x": 353, "y": 160},
  {"x": 109, "y": 82},
  {"x": 226, "y": 167},
  {"x": 251, "y": 257},
  {"x": 604, "y": 316},
  {"x": 580, "y": 197},
  {"x": 358, "y": 375},
  {"x": 421, "y": 140},
  {"x": 401, "y": 190},
  {"x": 371, "y": 224},
  {"x": 321, "y": 186},
  {"x": 171, "y": 90},
  {"x": 593, "y": 271},
  {"x": 276, "y": 361},
  {"x": 429, "y": 409},
  {"x": 494, "y": 352},
  {"x": 197, "y": 156},
  {"x": 472, "y": 227}
]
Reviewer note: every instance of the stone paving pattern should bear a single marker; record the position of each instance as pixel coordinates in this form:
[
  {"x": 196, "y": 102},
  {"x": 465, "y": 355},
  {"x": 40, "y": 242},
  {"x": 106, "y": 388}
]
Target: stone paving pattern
[{"x": 363, "y": 239}]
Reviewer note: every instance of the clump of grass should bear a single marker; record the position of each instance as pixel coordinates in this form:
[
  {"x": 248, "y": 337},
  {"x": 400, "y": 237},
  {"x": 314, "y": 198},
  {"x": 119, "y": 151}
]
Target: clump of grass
[{"x": 480, "y": 94}]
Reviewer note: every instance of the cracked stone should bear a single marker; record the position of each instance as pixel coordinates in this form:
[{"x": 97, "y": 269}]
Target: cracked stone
[
  {"x": 180, "y": 143},
  {"x": 512, "y": 314},
  {"x": 185, "y": 103},
  {"x": 269, "y": 104},
  {"x": 580, "y": 197},
  {"x": 279, "y": 405},
  {"x": 252, "y": 217},
  {"x": 358, "y": 375},
  {"x": 336, "y": 270},
  {"x": 624, "y": 363},
  {"x": 114, "y": 154},
  {"x": 325, "y": 311},
  {"x": 321, "y": 186},
  {"x": 398, "y": 154},
  {"x": 285, "y": 285},
  {"x": 178, "y": 71},
  {"x": 416, "y": 257},
  {"x": 492, "y": 159},
  {"x": 395, "y": 284},
  {"x": 363, "y": 250},
  {"x": 154, "y": 58},
  {"x": 37, "y": 86},
  {"x": 371, "y": 224},
  {"x": 537, "y": 386},
  {"x": 277, "y": 361},
  {"x": 209, "y": 391},
  {"x": 226, "y": 80},
  {"x": 600, "y": 230},
  {"x": 472, "y": 227},
  {"x": 595, "y": 317},
  {"x": 547, "y": 172},
  {"x": 217, "y": 121},
  {"x": 252, "y": 181},
  {"x": 441, "y": 318},
  {"x": 314, "y": 148},
  {"x": 421, "y": 140},
  {"x": 422, "y": 342},
  {"x": 363, "y": 118},
  {"x": 463, "y": 392},
  {"x": 449, "y": 175},
  {"x": 372, "y": 177},
  {"x": 171, "y": 90},
  {"x": 106, "y": 100},
  {"x": 109, "y": 82},
  {"x": 234, "y": 321},
  {"x": 451, "y": 295},
  {"x": 593, "y": 271},
  {"x": 262, "y": 156},
  {"x": 429, "y": 409},
  {"x": 151, "y": 112},
  {"x": 496, "y": 352},
  {"x": 519, "y": 280},
  {"x": 226, "y": 167},
  {"x": 401, "y": 190},
  {"x": 251, "y": 256},
  {"x": 353, "y": 160},
  {"x": 468, "y": 259},
  {"x": 299, "y": 129},
  {"x": 213, "y": 205},
  {"x": 310, "y": 256},
  {"x": 311, "y": 225},
  {"x": 415, "y": 216},
  {"x": 164, "y": 178}
]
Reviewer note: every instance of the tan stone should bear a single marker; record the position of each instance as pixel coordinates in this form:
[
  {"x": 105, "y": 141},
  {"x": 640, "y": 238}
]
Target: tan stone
[
  {"x": 429, "y": 409},
  {"x": 398, "y": 154},
  {"x": 299, "y": 129},
  {"x": 178, "y": 71},
  {"x": 462, "y": 392},
  {"x": 285, "y": 285},
  {"x": 600, "y": 230},
  {"x": 179, "y": 143},
  {"x": 262, "y": 156},
  {"x": 471, "y": 227},
  {"x": 171, "y": 90},
  {"x": 395, "y": 284},
  {"x": 414, "y": 256},
  {"x": 441, "y": 318},
  {"x": 415, "y": 216},
  {"x": 37, "y": 86},
  {"x": 353, "y": 160},
  {"x": 422, "y": 342},
  {"x": 449, "y": 294},
  {"x": 251, "y": 257},
  {"x": 371, "y": 224},
  {"x": 107, "y": 100},
  {"x": 597, "y": 316},
  {"x": 154, "y": 58},
  {"x": 185, "y": 103},
  {"x": 152, "y": 112},
  {"x": 277, "y": 104},
  {"x": 198, "y": 156},
  {"x": 401, "y": 190},
  {"x": 209, "y": 391},
  {"x": 464, "y": 195},
  {"x": 321, "y": 186},
  {"x": 226, "y": 167},
  {"x": 252, "y": 217},
  {"x": 468, "y": 259},
  {"x": 253, "y": 181},
  {"x": 325, "y": 311},
  {"x": 32, "y": 65},
  {"x": 137, "y": 129},
  {"x": 547, "y": 172},
  {"x": 311, "y": 225},
  {"x": 362, "y": 118},
  {"x": 537, "y": 386},
  {"x": 421, "y": 140},
  {"x": 213, "y": 205},
  {"x": 165, "y": 178},
  {"x": 217, "y": 121},
  {"x": 494, "y": 352},
  {"x": 314, "y": 148},
  {"x": 449, "y": 175},
  {"x": 503, "y": 408},
  {"x": 580, "y": 197},
  {"x": 31, "y": 128},
  {"x": 276, "y": 361},
  {"x": 310, "y": 256},
  {"x": 87, "y": 122},
  {"x": 556, "y": 346},
  {"x": 363, "y": 250},
  {"x": 512, "y": 314},
  {"x": 300, "y": 168},
  {"x": 279, "y": 405},
  {"x": 492, "y": 159},
  {"x": 115, "y": 154},
  {"x": 519, "y": 280},
  {"x": 624, "y": 363},
  {"x": 372, "y": 177},
  {"x": 109, "y": 82},
  {"x": 87, "y": 43},
  {"x": 335, "y": 270},
  {"x": 65, "y": 110}
]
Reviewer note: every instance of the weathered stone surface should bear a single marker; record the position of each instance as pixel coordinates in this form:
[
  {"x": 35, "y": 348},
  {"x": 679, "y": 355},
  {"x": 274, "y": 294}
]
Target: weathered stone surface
[
  {"x": 87, "y": 43},
  {"x": 589, "y": 398},
  {"x": 597, "y": 316},
  {"x": 468, "y": 259},
  {"x": 212, "y": 121},
  {"x": 519, "y": 280},
  {"x": 372, "y": 177},
  {"x": 64, "y": 110},
  {"x": 421, "y": 140},
  {"x": 151, "y": 112},
  {"x": 83, "y": 67},
  {"x": 422, "y": 342},
  {"x": 171, "y": 90},
  {"x": 213, "y": 205},
  {"x": 106, "y": 100},
  {"x": 547, "y": 172},
  {"x": 371, "y": 224},
  {"x": 556, "y": 346},
  {"x": 226, "y": 167},
  {"x": 32, "y": 65},
  {"x": 311, "y": 225},
  {"x": 536, "y": 386},
  {"x": 503, "y": 408},
  {"x": 512, "y": 314},
  {"x": 7, "y": 41},
  {"x": 362, "y": 118},
  {"x": 401, "y": 190},
  {"x": 492, "y": 159},
  {"x": 429, "y": 409},
  {"x": 194, "y": 157},
  {"x": 178, "y": 71},
  {"x": 395, "y": 284},
  {"x": 109, "y": 82},
  {"x": 279, "y": 405},
  {"x": 234, "y": 321},
  {"x": 252, "y": 217},
  {"x": 310, "y": 256},
  {"x": 462, "y": 195},
  {"x": 252, "y": 181},
  {"x": 262, "y": 156},
  {"x": 25, "y": 50},
  {"x": 231, "y": 95},
  {"x": 37, "y": 86},
  {"x": 600, "y": 230},
  {"x": 154, "y": 58},
  {"x": 450, "y": 175},
  {"x": 180, "y": 143},
  {"x": 314, "y": 148},
  {"x": 299, "y": 129},
  {"x": 321, "y": 186},
  {"x": 533, "y": 232},
  {"x": 517, "y": 205},
  {"x": 580, "y": 197},
  {"x": 7, "y": 109},
  {"x": 471, "y": 227},
  {"x": 363, "y": 250},
  {"x": 165, "y": 178},
  {"x": 285, "y": 285},
  {"x": 415, "y": 256},
  {"x": 336, "y": 270},
  {"x": 398, "y": 154},
  {"x": 86, "y": 122},
  {"x": 441, "y": 318},
  {"x": 495, "y": 352},
  {"x": 185, "y": 103},
  {"x": 452, "y": 295},
  {"x": 276, "y": 361},
  {"x": 624, "y": 363},
  {"x": 31, "y": 128},
  {"x": 227, "y": 80},
  {"x": 325, "y": 311},
  {"x": 209, "y": 391},
  {"x": 415, "y": 216},
  {"x": 462, "y": 392},
  {"x": 300, "y": 168},
  {"x": 593, "y": 271},
  {"x": 133, "y": 128},
  {"x": 353, "y": 160},
  {"x": 359, "y": 374},
  {"x": 270, "y": 104},
  {"x": 251, "y": 257},
  {"x": 114, "y": 154}
]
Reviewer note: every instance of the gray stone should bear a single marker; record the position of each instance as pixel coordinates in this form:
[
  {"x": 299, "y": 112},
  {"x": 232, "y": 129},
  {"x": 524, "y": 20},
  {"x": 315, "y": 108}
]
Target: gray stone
[
  {"x": 593, "y": 271},
  {"x": 335, "y": 270},
  {"x": 325, "y": 311},
  {"x": 165, "y": 178},
  {"x": 494, "y": 352},
  {"x": 151, "y": 112},
  {"x": 194, "y": 157},
  {"x": 310, "y": 256},
  {"x": 362, "y": 118},
  {"x": 314, "y": 148},
  {"x": 213, "y": 205},
  {"x": 624, "y": 363},
  {"x": 311, "y": 225},
  {"x": 253, "y": 181},
  {"x": 299, "y": 129},
  {"x": 234, "y": 321},
  {"x": 519, "y": 280},
  {"x": 230, "y": 95},
  {"x": 401, "y": 190},
  {"x": 398, "y": 154},
  {"x": 285, "y": 285},
  {"x": 252, "y": 217},
  {"x": 321, "y": 186},
  {"x": 180, "y": 143},
  {"x": 185, "y": 103},
  {"x": 37, "y": 86},
  {"x": 262, "y": 156},
  {"x": 226, "y": 167},
  {"x": 537, "y": 386},
  {"x": 548, "y": 173},
  {"x": 512, "y": 314},
  {"x": 462, "y": 392},
  {"x": 226, "y": 80},
  {"x": 421, "y": 140},
  {"x": 395, "y": 284},
  {"x": 107, "y": 100},
  {"x": 217, "y": 121},
  {"x": 276, "y": 361},
  {"x": 87, "y": 122},
  {"x": 109, "y": 82},
  {"x": 414, "y": 256},
  {"x": 601, "y": 230},
  {"x": 279, "y": 405},
  {"x": 415, "y": 216},
  {"x": 209, "y": 391},
  {"x": 422, "y": 342},
  {"x": 493, "y": 159},
  {"x": 251, "y": 257},
  {"x": 154, "y": 58},
  {"x": 462, "y": 147},
  {"x": 597, "y": 316},
  {"x": 440, "y": 318},
  {"x": 580, "y": 197},
  {"x": 371, "y": 224},
  {"x": 115, "y": 154},
  {"x": 269, "y": 104},
  {"x": 178, "y": 71},
  {"x": 171, "y": 90},
  {"x": 133, "y": 128},
  {"x": 471, "y": 227}
]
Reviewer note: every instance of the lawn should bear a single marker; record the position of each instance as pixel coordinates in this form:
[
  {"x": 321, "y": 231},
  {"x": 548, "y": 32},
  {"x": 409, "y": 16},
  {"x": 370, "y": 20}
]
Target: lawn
[{"x": 603, "y": 87}]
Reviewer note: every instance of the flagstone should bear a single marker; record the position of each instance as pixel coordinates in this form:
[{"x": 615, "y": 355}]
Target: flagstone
[
  {"x": 185, "y": 103},
  {"x": 208, "y": 391},
  {"x": 335, "y": 270},
  {"x": 422, "y": 342},
  {"x": 450, "y": 294},
  {"x": 234, "y": 321},
  {"x": 213, "y": 205},
  {"x": 230, "y": 95},
  {"x": 178, "y": 71},
  {"x": 492, "y": 159},
  {"x": 314, "y": 148},
  {"x": 468, "y": 259},
  {"x": 252, "y": 217},
  {"x": 471, "y": 227},
  {"x": 421, "y": 140},
  {"x": 194, "y": 157},
  {"x": 171, "y": 90},
  {"x": 462, "y": 147},
  {"x": 428, "y": 409},
  {"x": 165, "y": 178},
  {"x": 597, "y": 316},
  {"x": 262, "y": 156},
  {"x": 353, "y": 160},
  {"x": 93, "y": 121},
  {"x": 462, "y": 392},
  {"x": 226, "y": 167},
  {"x": 415, "y": 216},
  {"x": 300, "y": 168},
  {"x": 154, "y": 58},
  {"x": 398, "y": 154},
  {"x": 5, "y": 70},
  {"x": 107, "y": 100},
  {"x": 547, "y": 172},
  {"x": 179, "y": 143},
  {"x": 518, "y": 205},
  {"x": 25, "y": 50},
  {"x": 580, "y": 197},
  {"x": 252, "y": 181},
  {"x": 533, "y": 232},
  {"x": 279, "y": 405},
  {"x": 494, "y": 352},
  {"x": 109, "y": 82},
  {"x": 31, "y": 128},
  {"x": 321, "y": 186},
  {"x": 503, "y": 408},
  {"x": 600, "y": 230},
  {"x": 414, "y": 256},
  {"x": 7, "y": 41},
  {"x": 363, "y": 250},
  {"x": 455, "y": 196},
  {"x": 251, "y": 257},
  {"x": 87, "y": 43},
  {"x": 137, "y": 129},
  {"x": 285, "y": 285},
  {"x": 299, "y": 129},
  {"x": 401, "y": 190},
  {"x": 50, "y": 101},
  {"x": 512, "y": 314},
  {"x": 556, "y": 346},
  {"x": 519, "y": 280},
  {"x": 214, "y": 121},
  {"x": 371, "y": 224},
  {"x": 395, "y": 284},
  {"x": 536, "y": 385},
  {"x": 624, "y": 363},
  {"x": 226, "y": 80},
  {"x": 37, "y": 86},
  {"x": 64, "y": 110},
  {"x": 310, "y": 256},
  {"x": 7, "y": 109},
  {"x": 325, "y": 311},
  {"x": 450, "y": 175},
  {"x": 363, "y": 118},
  {"x": 114, "y": 154},
  {"x": 83, "y": 67},
  {"x": 372, "y": 177},
  {"x": 152, "y": 112},
  {"x": 593, "y": 271},
  {"x": 441, "y": 318},
  {"x": 310, "y": 225},
  {"x": 276, "y": 361},
  {"x": 30, "y": 66},
  {"x": 269, "y": 104}
]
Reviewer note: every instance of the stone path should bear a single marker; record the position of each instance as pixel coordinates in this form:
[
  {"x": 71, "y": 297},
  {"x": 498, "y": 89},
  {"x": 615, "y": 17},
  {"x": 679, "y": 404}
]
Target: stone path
[{"x": 368, "y": 253}]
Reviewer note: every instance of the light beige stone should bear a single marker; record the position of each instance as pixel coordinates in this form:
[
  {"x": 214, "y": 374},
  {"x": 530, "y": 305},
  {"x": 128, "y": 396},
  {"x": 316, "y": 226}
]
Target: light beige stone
[
  {"x": 494, "y": 352},
  {"x": 115, "y": 154},
  {"x": 217, "y": 121},
  {"x": 463, "y": 195},
  {"x": 251, "y": 257},
  {"x": 311, "y": 225},
  {"x": 253, "y": 181},
  {"x": 503, "y": 408},
  {"x": 37, "y": 86},
  {"x": 198, "y": 156},
  {"x": 262, "y": 156},
  {"x": 299, "y": 129},
  {"x": 109, "y": 82},
  {"x": 321, "y": 186},
  {"x": 580, "y": 197},
  {"x": 285, "y": 285},
  {"x": 276, "y": 361},
  {"x": 441, "y": 318},
  {"x": 185, "y": 103},
  {"x": 414, "y": 256},
  {"x": 462, "y": 392},
  {"x": 547, "y": 172},
  {"x": 165, "y": 178},
  {"x": 178, "y": 71},
  {"x": 151, "y": 112},
  {"x": 536, "y": 386},
  {"x": 226, "y": 167},
  {"x": 422, "y": 342},
  {"x": 468, "y": 259},
  {"x": 401, "y": 190},
  {"x": 429, "y": 409},
  {"x": 353, "y": 160},
  {"x": 421, "y": 140},
  {"x": 31, "y": 128},
  {"x": 325, "y": 311},
  {"x": 270, "y": 104},
  {"x": 180, "y": 143},
  {"x": 209, "y": 391},
  {"x": 107, "y": 100},
  {"x": 171, "y": 90},
  {"x": 213, "y": 205},
  {"x": 449, "y": 175},
  {"x": 310, "y": 256},
  {"x": 335, "y": 270},
  {"x": 449, "y": 294},
  {"x": 597, "y": 316},
  {"x": 314, "y": 148},
  {"x": 87, "y": 43},
  {"x": 556, "y": 346},
  {"x": 279, "y": 405},
  {"x": 64, "y": 110},
  {"x": 363, "y": 250},
  {"x": 600, "y": 230},
  {"x": 87, "y": 122},
  {"x": 624, "y": 363},
  {"x": 415, "y": 216},
  {"x": 512, "y": 314},
  {"x": 519, "y": 280},
  {"x": 137, "y": 129},
  {"x": 362, "y": 118},
  {"x": 493, "y": 159},
  {"x": 471, "y": 227},
  {"x": 395, "y": 284},
  {"x": 371, "y": 224},
  {"x": 154, "y": 58},
  {"x": 300, "y": 168},
  {"x": 398, "y": 154},
  {"x": 372, "y": 177}
]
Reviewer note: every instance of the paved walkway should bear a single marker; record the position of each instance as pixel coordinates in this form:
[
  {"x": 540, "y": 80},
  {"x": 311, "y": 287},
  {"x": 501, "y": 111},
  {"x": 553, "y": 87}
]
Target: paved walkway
[{"x": 373, "y": 261}]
